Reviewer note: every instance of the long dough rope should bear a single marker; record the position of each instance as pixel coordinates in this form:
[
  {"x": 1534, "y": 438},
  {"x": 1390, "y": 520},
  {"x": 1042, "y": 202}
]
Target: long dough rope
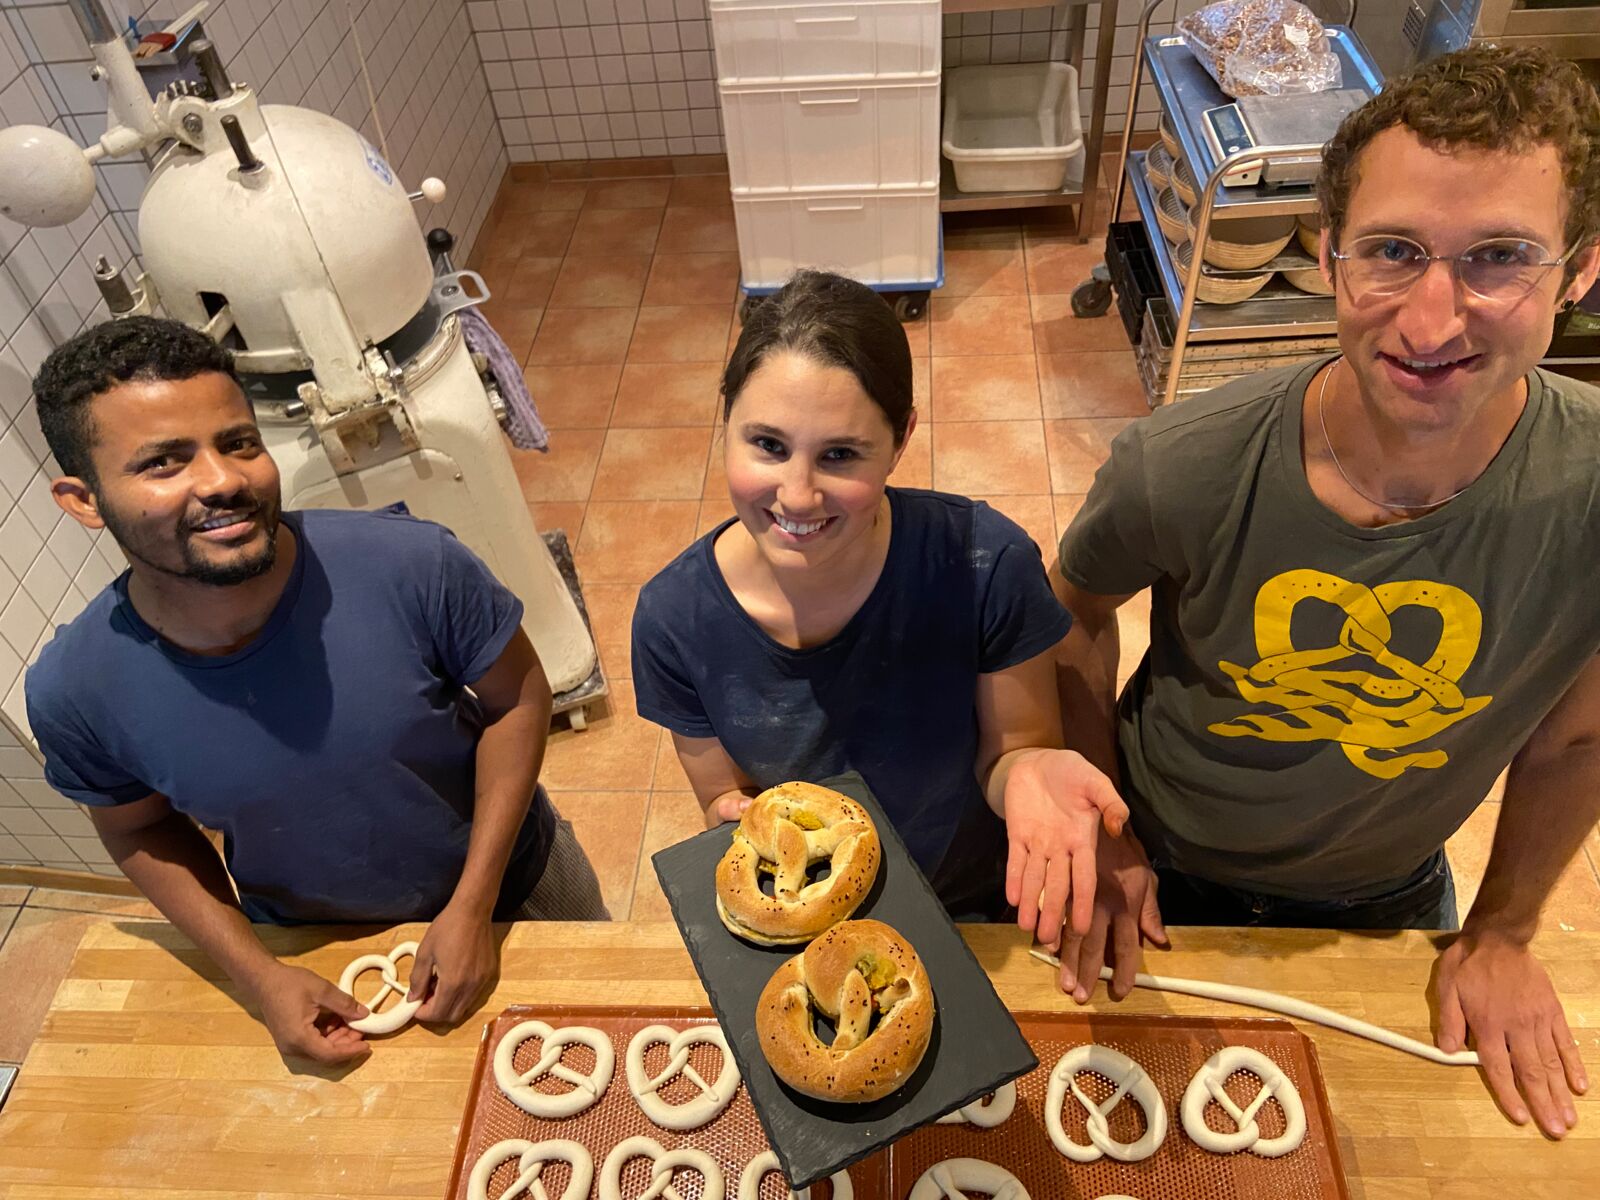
[{"x": 1289, "y": 1006}]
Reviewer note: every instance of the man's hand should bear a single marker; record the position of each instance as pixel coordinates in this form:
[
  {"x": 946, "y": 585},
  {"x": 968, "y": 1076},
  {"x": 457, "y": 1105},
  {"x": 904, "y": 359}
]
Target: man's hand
[
  {"x": 1125, "y": 908},
  {"x": 1055, "y": 803},
  {"x": 307, "y": 1016},
  {"x": 459, "y": 955},
  {"x": 1493, "y": 986}
]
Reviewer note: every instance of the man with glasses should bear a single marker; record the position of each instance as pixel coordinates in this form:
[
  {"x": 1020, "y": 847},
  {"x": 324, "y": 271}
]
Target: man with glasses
[{"x": 1368, "y": 579}]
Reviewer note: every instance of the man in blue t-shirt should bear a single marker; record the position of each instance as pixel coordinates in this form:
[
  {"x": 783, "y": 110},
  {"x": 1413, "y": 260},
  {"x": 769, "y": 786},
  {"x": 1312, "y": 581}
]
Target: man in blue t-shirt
[{"x": 348, "y": 698}]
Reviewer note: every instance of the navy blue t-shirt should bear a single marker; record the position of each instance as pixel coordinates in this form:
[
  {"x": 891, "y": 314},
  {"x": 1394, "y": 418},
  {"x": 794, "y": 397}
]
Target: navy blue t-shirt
[
  {"x": 335, "y": 753},
  {"x": 963, "y": 593}
]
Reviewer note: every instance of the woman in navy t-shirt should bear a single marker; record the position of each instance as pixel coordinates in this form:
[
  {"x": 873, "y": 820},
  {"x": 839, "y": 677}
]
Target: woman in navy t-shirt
[{"x": 840, "y": 624}]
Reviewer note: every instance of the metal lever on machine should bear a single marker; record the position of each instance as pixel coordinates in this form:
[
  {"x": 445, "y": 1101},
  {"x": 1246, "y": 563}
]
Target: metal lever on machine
[
  {"x": 114, "y": 288},
  {"x": 450, "y": 292},
  {"x": 249, "y": 164},
  {"x": 211, "y": 68}
]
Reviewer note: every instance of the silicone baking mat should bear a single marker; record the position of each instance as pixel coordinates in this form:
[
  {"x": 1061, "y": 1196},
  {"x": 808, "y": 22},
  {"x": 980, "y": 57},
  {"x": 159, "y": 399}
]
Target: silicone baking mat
[{"x": 1170, "y": 1049}]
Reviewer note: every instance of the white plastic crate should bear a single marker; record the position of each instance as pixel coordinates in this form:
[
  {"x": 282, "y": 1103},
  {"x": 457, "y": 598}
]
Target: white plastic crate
[
  {"x": 1013, "y": 128},
  {"x": 780, "y": 41},
  {"x": 861, "y": 138},
  {"x": 878, "y": 239}
]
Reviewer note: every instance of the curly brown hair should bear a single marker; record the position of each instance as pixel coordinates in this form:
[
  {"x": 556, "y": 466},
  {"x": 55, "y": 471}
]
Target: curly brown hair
[{"x": 1482, "y": 98}]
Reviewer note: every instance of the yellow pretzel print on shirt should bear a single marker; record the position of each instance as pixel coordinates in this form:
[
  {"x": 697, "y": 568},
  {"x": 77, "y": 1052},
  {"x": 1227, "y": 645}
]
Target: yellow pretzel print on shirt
[{"x": 1373, "y": 715}]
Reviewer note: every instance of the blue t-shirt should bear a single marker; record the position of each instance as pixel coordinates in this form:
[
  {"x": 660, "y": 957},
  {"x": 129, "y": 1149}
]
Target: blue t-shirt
[
  {"x": 335, "y": 753},
  {"x": 963, "y": 593}
]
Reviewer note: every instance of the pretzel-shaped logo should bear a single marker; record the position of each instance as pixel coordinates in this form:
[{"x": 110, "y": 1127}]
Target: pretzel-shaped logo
[
  {"x": 532, "y": 1158},
  {"x": 713, "y": 1098},
  {"x": 663, "y": 1165},
  {"x": 1134, "y": 1083},
  {"x": 1207, "y": 1084},
  {"x": 520, "y": 1087},
  {"x": 400, "y": 1015}
]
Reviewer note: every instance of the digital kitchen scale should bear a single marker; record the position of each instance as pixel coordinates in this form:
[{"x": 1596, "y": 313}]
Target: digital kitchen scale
[{"x": 1278, "y": 121}]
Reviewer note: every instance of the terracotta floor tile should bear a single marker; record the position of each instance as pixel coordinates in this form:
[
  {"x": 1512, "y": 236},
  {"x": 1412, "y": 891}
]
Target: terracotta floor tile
[
  {"x": 517, "y": 324},
  {"x": 610, "y": 608},
  {"x": 693, "y": 279},
  {"x": 982, "y": 231},
  {"x": 697, "y": 230},
  {"x": 1091, "y": 384},
  {"x": 33, "y": 960},
  {"x": 13, "y": 896},
  {"x": 610, "y": 828},
  {"x": 919, "y": 335},
  {"x": 716, "y": 481},
  {"x": 92, "y": 902},
  {"x": 678, "y": 333},
  {"x": 654, "y": 394},
  {"x": 601, "y": 281},
  {"x": 1077, "y": 448},
  {"x": 615, "y": 231},
  {"x": 981, "y": 325},
  {"x": 1057, "y": 331},
  {"x": 984, "y": 271},
  {"x": 521, "y": 196},
  {"x": 531, "y": 279},
  {"x": 915, "y": 469},
  {"x": 1133, "y": 632},
  {"x": 566, "y": 472},
  {"x": 700, "y": 191},
  {"x": 576, "y": 397},
  {"x": 674, "y": 817},
  {"x": 652, "y": 464},
  {"x": 1060, "y": 266},
  {"x": 714, "y": 511},
  {"x": 1035, "y": 514},
  {"x": 617, "y": 752},
  {"x": 992, "y": 457},
  {"x": 628, "y": 541},
  {"x": 985, "y": 387},
  {"x": 922, "y": 387},
  {"x": 1066, "y": 506},
  {"x": 562, "y": 196},
  {"x": 1574, "y": 903},
  {"x": 575, "y": 336},
  {"x": 542, "y": 234},
  {"x": 670, "y": 775},
  {"x": 565, "y": 515},
  {"x": 628, "y": 193}
]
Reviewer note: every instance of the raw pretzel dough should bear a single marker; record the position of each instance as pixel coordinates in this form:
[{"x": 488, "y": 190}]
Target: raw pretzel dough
[
  {"x": 1207, "y": 1085},
  {"x": 713, "y": 1098},
  {"x": 750, "y": 1180},
  {"x": 985, "y": 1114},
  {"x": 949, "y": 1180},
  {"x": 586, "y": 1089},
  {"x": 400, "y": 1015},
  {"x": 1130, "y": 1080},
  {"x": 1289, "y": 1006},
  {"x": 664, "y": 1163},
  {"x": 533, "y": 1156}
]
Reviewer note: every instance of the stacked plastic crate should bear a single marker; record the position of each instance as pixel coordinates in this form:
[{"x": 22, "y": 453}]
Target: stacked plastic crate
[{"x": 831, "y": 115}]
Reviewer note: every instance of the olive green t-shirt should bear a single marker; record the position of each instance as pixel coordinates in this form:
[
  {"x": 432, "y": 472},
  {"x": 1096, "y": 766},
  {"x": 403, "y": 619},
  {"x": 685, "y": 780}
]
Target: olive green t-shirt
[{"x": 1322, "y": 705}]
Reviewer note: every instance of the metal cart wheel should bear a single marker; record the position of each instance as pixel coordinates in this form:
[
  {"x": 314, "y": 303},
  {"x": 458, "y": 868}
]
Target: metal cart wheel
[
  {"x": 908, "y": 306},
  {"x": 578, "y": 718},
  {"x": 1092, "y": 297}
]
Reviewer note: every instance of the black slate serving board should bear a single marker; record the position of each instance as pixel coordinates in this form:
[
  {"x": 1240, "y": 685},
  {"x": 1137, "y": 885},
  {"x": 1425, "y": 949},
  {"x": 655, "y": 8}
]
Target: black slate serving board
[{"x": 976, "y": 1044}]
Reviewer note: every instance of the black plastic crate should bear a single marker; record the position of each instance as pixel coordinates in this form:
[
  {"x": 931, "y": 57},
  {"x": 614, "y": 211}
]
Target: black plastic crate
[{"x": 1134, "y": 278}]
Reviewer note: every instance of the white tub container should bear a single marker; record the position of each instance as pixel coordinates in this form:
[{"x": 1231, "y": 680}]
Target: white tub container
[
  {"x": 876, "y": 238},
  {"x": 857, "y": 138},
  {"x": 1013, "y": 127},
  {"x": 781, "y": 41}
]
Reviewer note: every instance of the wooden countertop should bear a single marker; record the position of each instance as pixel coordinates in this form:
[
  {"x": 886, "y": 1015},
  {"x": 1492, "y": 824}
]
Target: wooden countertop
[{"x": 149, "y": 1080}]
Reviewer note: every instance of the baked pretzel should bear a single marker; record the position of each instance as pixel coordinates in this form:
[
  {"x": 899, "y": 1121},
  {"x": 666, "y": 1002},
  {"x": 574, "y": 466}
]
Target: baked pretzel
[
  {"x": 785, "y": 830},
  {"x": 854, "y": 969}
]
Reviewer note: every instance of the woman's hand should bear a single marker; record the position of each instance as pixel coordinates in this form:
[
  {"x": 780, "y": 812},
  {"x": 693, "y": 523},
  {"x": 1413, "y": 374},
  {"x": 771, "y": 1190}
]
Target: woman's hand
[{"x": 1055, "y": 803}]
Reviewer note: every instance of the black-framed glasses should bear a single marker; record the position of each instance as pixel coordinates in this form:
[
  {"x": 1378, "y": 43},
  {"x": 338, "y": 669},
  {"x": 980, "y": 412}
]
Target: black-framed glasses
[{"x": 1499, "y": 270}]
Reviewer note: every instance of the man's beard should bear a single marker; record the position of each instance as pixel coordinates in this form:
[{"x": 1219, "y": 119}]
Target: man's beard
[{"x": 194, "y": 566}]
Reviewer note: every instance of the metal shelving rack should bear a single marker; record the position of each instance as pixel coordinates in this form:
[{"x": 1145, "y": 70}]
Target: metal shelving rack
[
  {"x": 1083, "y": 193},
  {"x": 1186, "y": 91}
]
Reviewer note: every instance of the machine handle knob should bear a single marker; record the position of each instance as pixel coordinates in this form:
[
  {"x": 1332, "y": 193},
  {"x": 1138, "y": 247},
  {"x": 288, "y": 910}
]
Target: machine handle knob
[{"x": 432, "y": 190}]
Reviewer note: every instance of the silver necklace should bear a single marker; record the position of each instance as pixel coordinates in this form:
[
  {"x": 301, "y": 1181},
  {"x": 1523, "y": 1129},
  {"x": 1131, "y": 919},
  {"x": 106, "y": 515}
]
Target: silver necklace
[{"x": 1322, "y": 419}]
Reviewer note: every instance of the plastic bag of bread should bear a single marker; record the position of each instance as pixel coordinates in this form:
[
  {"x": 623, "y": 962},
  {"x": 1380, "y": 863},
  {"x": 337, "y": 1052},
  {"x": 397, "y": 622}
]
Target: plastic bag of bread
[{"x": 1262, "y": 47}]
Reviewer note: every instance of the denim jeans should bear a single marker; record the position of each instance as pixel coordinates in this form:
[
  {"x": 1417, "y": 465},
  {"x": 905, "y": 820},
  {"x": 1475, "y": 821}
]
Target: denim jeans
[{"x": 1425, "y": 901}]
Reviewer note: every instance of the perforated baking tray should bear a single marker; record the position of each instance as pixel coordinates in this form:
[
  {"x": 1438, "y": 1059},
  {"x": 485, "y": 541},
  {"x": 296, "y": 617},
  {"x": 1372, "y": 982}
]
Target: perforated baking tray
[{"x": 1170, "y": 1049}]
